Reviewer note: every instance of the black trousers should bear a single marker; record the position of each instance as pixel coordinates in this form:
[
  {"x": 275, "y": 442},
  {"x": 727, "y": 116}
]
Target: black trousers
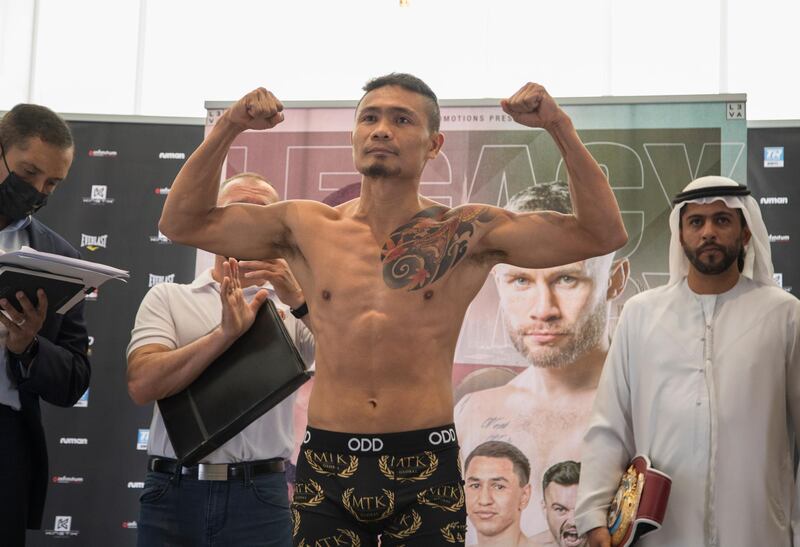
[{"x": 15, "y": 477}]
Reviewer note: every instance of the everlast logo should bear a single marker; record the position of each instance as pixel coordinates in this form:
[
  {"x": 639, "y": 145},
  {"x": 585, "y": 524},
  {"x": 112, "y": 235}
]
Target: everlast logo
[
  {"x": 343, "y": 538},
  {"x": 444, "y": 436},
  {"x": 156, "y": 279},
  {"x": 774, "y": 201},
  {"x": 365, "y": 444},
  {"x": 132, "y": 484},
  {"x": 409, "y": 468},
  {"x": 448, "y": 497},
  {"x": 73, "y": 440},
  {"x": 308, "y": 494},
  {"x": 326, "y": 463},
  {"x": 94, "y": 242},
  {"x": 369, "y": 508},
  {"x": 171, "y": 156}
]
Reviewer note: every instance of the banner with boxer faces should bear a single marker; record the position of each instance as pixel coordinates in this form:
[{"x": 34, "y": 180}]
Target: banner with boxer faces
[{"x": 524, "y": 323}]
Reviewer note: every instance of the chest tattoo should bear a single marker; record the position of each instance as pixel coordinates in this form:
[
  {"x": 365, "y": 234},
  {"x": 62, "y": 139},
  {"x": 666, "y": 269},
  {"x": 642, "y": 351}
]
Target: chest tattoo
[{"x": 431, "y": 244}]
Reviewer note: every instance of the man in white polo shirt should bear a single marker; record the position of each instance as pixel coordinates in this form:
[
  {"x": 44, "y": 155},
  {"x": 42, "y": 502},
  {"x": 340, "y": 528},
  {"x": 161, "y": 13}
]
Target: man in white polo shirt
[{"x": 179, "y": 331}]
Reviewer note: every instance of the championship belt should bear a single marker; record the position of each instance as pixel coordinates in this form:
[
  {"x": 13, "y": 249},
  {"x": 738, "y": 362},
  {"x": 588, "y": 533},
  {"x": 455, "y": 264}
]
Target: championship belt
[{"x": 640, "y": 503}]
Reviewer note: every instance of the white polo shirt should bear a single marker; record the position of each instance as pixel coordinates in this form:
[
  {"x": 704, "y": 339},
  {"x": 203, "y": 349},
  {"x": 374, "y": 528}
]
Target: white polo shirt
[{"x": 175, "y": 315}]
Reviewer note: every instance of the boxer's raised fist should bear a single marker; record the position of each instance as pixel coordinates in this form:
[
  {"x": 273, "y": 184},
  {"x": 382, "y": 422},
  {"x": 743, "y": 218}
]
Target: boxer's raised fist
[
  {"x": 533, "y": 106},
  {"x": 259, "y": 109}
]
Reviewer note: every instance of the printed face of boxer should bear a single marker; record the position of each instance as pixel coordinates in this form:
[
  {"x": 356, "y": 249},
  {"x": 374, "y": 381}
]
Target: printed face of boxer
[
  {"x": 495, "y": 497},
  {"x": 555, "y": 315},
  {"x": 559, "y": 510}
]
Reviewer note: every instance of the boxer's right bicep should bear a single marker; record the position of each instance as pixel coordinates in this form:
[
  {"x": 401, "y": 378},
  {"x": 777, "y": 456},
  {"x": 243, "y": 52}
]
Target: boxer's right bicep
[{"x": 243, "y": 231}]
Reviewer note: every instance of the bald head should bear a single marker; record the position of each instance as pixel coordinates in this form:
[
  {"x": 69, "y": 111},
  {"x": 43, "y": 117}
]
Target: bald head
[{"x": 247, "y": 188}]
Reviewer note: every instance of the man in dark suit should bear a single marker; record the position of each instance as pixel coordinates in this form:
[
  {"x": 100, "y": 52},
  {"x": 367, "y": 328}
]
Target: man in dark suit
[{"x": 42, "y": 354}]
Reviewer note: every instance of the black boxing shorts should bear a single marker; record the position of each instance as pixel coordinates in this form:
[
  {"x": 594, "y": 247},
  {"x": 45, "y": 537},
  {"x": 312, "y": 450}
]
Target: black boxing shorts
[{"x": 404, "y": 487}]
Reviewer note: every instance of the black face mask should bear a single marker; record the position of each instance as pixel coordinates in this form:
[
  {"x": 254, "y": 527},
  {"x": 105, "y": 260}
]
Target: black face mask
[{"x": 18, "y": 199}]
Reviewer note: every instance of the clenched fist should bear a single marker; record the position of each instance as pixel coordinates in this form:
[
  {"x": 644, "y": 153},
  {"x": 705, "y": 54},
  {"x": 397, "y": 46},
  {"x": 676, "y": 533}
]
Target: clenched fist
[
  {"x": 259, "y": 109},
  {"x": 533, "y": 106}
]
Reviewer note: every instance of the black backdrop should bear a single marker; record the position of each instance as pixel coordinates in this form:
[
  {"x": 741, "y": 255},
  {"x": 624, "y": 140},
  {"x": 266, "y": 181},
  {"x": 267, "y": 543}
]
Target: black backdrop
[
  {"x": 773, "y": 175},
  {"x": 116, "y": 188}
]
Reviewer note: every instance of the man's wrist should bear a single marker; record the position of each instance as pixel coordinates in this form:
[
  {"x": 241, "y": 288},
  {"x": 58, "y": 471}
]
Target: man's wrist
[
  {"x": 300, "y": 311},
  {"x": 226, "y": 124},
  {"x": 26, "y": 356},
  {"x": 561, "y": 124}
]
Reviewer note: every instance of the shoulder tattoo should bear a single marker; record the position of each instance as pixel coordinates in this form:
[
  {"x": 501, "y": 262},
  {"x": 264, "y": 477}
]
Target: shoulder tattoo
[{"x": 423, "y": 250}]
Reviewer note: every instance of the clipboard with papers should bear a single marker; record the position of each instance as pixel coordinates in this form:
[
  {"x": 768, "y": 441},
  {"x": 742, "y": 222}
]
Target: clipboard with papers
[
  {"x": 260, "y": 369},
  {"x": 66, "y": 281}
]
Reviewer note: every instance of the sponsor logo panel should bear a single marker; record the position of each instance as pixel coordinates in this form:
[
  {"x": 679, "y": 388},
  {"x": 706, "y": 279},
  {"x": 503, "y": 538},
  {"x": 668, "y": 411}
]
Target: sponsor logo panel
[
  {"x": 100, "y": 153},
  {"x": 142, "y": 438},
  {"x": 94, "y": 242},
  {"x": 98, "y": 196},
  {"x": 63, "y": 479},
  {"x": 73, "y": 440},
  {"x": 773, "y": 156},
  {"x": 83, "y": 402},
  {"x": 157, "y": 279},
  {"x": 62, "y": 527}
]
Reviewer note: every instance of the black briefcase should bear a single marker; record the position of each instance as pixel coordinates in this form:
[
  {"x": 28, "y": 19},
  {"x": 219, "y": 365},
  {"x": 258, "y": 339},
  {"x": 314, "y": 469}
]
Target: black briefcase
[{"x": 257, "y": 372}]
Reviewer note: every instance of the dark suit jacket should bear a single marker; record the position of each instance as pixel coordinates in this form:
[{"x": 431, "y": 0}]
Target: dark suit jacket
[{"x": 59, "y": 374}]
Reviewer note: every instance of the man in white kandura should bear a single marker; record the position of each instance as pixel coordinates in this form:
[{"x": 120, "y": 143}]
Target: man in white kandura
[{"x": 703, "y": 377}]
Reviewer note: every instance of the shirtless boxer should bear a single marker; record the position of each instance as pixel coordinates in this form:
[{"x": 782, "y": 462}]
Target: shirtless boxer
[{"x": 388, "y": 278}]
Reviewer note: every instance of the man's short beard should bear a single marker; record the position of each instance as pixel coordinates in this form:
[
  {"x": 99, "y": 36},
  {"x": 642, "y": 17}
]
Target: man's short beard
[
  {"x": 586, "y": 336},
  {"x": 729, "y": 256},
  {"x": 379, "y": 171}
]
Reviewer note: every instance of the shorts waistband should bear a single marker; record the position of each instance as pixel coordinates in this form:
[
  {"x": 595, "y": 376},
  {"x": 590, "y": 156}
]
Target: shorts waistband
[{"x": 404, "y": 442}]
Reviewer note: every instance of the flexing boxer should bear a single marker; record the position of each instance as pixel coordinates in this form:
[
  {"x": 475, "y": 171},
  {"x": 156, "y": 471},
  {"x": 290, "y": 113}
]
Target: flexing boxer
[{"x": 388, "y": 278}]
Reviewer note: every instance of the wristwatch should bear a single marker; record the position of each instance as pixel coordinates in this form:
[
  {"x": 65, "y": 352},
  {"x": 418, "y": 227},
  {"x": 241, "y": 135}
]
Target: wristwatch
[{"x": 300, "y": 311}]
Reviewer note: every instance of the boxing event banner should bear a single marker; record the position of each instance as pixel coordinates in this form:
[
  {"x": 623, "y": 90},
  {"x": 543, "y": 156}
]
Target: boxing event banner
[
  {"x": 108, "y": 208},
  {"x": 773, "y": 175},
  {"x": 510, "y": 405}
]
